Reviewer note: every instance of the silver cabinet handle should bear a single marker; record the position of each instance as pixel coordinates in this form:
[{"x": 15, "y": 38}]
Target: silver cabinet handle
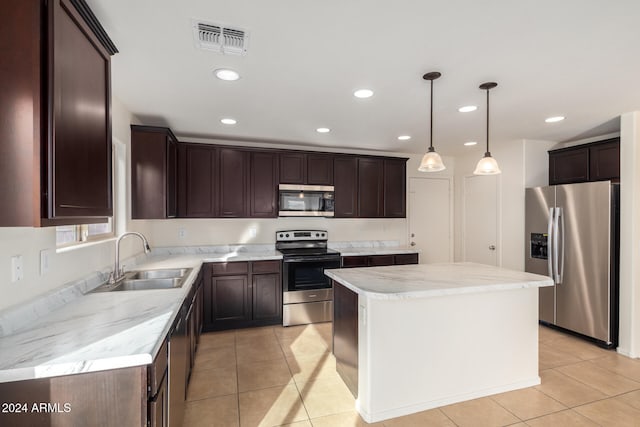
[{"x": 492, "y": 247}]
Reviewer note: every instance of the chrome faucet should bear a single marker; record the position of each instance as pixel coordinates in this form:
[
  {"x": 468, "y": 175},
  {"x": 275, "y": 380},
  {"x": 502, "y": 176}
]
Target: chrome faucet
[{"x": 117, "y": 274}]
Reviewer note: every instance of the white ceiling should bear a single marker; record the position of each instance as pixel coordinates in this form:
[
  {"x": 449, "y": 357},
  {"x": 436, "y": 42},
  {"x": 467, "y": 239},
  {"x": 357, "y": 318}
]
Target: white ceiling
[{"x": 576, "y": 58}]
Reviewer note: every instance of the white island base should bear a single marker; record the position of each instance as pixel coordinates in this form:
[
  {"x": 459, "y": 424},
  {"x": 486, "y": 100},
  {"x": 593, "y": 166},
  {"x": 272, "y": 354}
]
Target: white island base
[{"x": 424, "y": 341}]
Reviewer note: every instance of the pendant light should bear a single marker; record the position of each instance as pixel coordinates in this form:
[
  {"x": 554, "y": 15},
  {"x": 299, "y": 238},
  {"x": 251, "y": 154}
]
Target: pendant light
[
  {"x": 487, "y": 165},
  {"x": 431, "y": 162}
]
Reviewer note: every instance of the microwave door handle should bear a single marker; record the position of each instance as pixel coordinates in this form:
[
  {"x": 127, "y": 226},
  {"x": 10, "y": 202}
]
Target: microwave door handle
[{"x": 550, "y": 244}]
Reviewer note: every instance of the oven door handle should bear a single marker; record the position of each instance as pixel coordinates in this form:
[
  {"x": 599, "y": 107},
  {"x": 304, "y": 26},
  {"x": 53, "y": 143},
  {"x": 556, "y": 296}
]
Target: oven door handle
[{"x": 311, "y": 258}]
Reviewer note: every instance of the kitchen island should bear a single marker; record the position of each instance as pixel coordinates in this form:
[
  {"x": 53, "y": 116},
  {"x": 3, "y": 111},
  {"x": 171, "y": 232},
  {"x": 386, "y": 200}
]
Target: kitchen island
[{"x": 414, "y": 337}]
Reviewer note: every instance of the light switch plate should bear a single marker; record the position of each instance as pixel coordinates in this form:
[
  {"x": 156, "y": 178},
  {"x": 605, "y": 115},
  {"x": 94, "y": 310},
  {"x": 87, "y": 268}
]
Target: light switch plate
[
  {"x": 44, "y": 261},
  {"x": 182, "y": 233},
  {"x": 17, "y": 268}
]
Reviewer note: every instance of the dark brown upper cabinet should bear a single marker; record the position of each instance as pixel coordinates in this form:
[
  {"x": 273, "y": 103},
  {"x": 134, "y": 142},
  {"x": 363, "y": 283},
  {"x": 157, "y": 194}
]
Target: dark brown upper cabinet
[
  {"x": 395, "y": 182},
  {"x": 263, "y": 185},
  {"x": 306, "y": 168},
  {"x": 319, "y": 169},
  {"x": 604, "y": 160},
  {"x": 345, "y": 178},
  {"x": 154, "y": 172},
  {"x": 197, "y": 181},
  {"x": 596, "y": 161},
  {"x": 370, "y": 187},
  {"x": 233, "y": 189},
  {"x": 55, "y": 156}
]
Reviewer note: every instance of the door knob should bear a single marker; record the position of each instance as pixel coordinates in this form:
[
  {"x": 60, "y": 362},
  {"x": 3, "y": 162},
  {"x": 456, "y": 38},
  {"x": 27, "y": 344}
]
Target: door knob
[
  {"x": 492, "y": 247},
  {"x": 413, "y": 243}
]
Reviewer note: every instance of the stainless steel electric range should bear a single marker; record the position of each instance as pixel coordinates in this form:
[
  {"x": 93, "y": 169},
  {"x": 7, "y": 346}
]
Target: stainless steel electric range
[{"x": 307, "y": 292}]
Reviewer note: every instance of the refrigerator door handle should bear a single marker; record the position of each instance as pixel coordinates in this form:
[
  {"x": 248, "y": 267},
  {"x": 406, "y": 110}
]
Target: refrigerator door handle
[
  {"x": 550, "y": 244},
  {"x": 556, "y": 220},
  {"x": 560, "y": 231}
]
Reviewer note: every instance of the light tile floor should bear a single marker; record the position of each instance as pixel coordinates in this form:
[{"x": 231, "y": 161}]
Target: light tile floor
[{"x": 278, "y": 376}]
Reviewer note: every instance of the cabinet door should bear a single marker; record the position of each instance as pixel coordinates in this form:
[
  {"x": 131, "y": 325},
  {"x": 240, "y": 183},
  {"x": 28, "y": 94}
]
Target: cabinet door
[
  {"x": 568, "y": 165},
  {"x": 233, "y": 182},
  {"x": 345, "y": 179},
  {"x": 293, "y": 168},
  {"x": 198, "y": 181},
  {"x": 158, "y": 409},
  {"x": 319, "y": 169},
  {"x": 153, "y": 173},
  {"x": 395, "y": 183},
  {"x": 172, "y": 178},
  {"x": 605, "y": 161},
  {"x": 79, "y": 140},
  {"x": 263, "y": 192},
  {"x": 370, "y": 187},
  {"x": 267, "y": 296},
  {"x": 230, "y": 300}
]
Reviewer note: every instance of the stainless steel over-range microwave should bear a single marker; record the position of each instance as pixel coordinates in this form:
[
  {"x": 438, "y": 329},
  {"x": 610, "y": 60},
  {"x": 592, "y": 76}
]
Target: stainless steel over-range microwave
[{"x": 306, "y": 200}]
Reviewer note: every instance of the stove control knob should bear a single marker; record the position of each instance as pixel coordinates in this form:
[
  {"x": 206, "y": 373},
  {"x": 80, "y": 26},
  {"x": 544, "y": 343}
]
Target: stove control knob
[
  {"x": 287, "y": 235},
  {"x": 317, "y": 234},
  {"x": 280, "y": 235},
  {"x": 324, "y": 234}
]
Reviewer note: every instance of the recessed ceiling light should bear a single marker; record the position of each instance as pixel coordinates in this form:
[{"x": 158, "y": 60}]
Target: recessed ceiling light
[
  {"x": 554, "y": 119},
  {"x": 467, "y": 108},
  {"x": 228, "y": 121},
  {"x": 226, "y": 74},
  {"x": 363, "y": 93},
  {"x": 323, "y": 130},
  {"x": 404, "y": 137},
  {"x": 470, "y": 143}
]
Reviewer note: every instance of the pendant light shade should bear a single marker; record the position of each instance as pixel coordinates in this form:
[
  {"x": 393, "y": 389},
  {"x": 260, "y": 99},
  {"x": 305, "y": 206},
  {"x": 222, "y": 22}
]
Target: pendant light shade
[
  {"x": 431, "y": 161},
  {"x": 487, "y": 165}
]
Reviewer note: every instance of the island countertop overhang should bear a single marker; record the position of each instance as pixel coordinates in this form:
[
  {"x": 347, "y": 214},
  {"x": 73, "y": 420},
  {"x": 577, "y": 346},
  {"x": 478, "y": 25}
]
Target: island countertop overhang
[{"x": 432, "y": 280}]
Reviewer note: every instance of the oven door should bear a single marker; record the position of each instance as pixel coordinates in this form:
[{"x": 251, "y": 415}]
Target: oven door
[{"x": 306, "y": 273}]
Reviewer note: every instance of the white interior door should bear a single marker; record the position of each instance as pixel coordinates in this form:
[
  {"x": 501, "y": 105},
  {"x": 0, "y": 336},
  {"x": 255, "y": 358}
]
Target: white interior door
[
  {"x": 481, "y": 219},
  {"x": 430, "y": 207}
]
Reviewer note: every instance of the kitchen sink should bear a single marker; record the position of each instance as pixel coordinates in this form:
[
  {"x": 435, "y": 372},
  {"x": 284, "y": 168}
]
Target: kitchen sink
[
  {"x": 170, "y": 278},
  {"x": 168, "y": 273}
]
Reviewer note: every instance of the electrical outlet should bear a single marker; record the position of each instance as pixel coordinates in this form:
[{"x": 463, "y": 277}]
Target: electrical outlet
[
  {"x": 44, "y": 261},
  {"x": 182, "y": 233},
  {"x": 17, "y": 268},
  {"x": 253, "y": 232}
]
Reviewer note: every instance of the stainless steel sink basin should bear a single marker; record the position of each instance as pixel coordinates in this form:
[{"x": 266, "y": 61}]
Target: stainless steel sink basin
[
  {"x": 168, "y": 273},
  {"x": 146, "y": 284},
  {"x": 169, "y": 278}
]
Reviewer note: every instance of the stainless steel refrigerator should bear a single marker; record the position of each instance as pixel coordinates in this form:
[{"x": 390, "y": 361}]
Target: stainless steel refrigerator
[{"x": 571, "y": 235}]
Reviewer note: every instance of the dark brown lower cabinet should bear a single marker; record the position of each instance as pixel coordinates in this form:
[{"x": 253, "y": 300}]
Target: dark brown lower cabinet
[
  {"x": 345, "y": 335},
  {"x": 242, "y": 294},
  {"x": 379, "y": 260},
  {"x": 115, "y": 398}
]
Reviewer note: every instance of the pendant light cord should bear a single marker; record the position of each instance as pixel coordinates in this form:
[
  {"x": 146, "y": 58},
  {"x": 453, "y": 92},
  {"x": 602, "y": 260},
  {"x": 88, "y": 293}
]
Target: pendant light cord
[
  {"x": 488, "y": 121},
  {"x": 431, "y": 119}
]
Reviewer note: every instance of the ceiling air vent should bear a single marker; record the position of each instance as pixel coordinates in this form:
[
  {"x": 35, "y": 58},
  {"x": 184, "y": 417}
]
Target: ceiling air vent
[{"x": 221, "y": 39}]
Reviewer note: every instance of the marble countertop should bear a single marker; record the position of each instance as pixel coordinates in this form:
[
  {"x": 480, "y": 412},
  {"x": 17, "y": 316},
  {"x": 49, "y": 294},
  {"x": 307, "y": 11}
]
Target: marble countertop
[
  {"x": 431, "y": 280},
  {"x": 107, "y": 330}
]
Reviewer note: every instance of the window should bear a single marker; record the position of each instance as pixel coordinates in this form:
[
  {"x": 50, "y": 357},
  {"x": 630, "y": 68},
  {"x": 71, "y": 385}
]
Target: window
[{"x": 72, "y": 234}]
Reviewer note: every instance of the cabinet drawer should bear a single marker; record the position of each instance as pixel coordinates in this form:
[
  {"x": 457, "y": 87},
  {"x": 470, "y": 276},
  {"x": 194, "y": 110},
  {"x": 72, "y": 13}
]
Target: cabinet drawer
[
  {"x": 406, "y": 259},
  {"x": 354, "y": 261},
  {"x": 380, "y": 260},
  {"x": 222, "y": 268},
  {"x": 259, "y": 267},
  {"x": 156, "y": 370}
]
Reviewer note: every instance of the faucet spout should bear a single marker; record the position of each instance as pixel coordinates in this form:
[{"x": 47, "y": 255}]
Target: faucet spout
[{"x": 117, "y": 273}]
